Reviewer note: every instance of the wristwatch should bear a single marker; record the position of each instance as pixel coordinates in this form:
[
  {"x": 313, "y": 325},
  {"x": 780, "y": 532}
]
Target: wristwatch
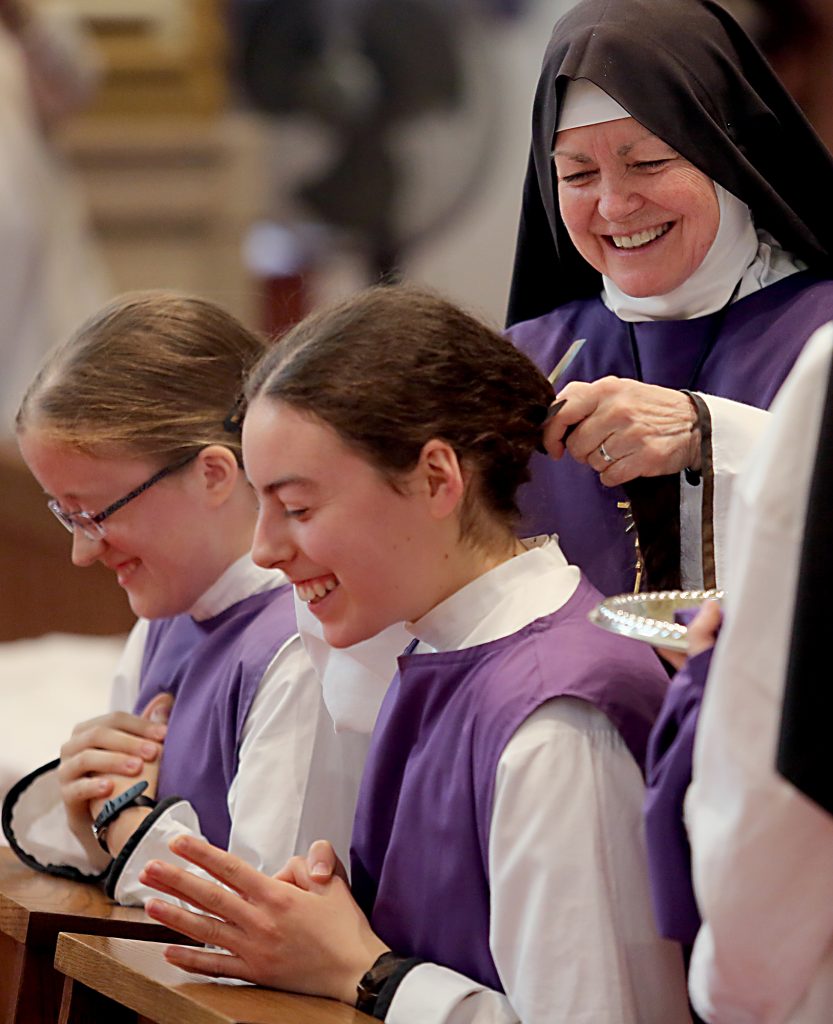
[
  {"x": 131, "y": 797},
  {"x": 376, "y": 990},
  {"x": 372, "y": 983}
]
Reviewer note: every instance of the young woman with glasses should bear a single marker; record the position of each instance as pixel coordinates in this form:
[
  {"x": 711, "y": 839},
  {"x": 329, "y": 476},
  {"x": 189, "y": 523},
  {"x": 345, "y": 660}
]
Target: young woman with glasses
[
  {"x": 498, "y": 872},
  {"x": 130, "y": 428}
]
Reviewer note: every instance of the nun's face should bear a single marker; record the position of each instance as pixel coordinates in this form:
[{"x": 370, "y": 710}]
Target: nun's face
[{"x": 635, "y": 209}]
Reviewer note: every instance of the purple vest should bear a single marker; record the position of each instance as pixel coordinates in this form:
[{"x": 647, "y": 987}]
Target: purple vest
[
  {"x": 420, "y": 868},
  {"x": 213, "y": 668},
  {"x": 760, "y": 340}
]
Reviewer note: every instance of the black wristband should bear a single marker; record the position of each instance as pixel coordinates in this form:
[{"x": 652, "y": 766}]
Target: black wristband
[
  {"x": 378, "y": 986},
  {"x": 701, "y": 412},
  {"x": 131, "y": 797},
  {"x": 388, "y": 990}
]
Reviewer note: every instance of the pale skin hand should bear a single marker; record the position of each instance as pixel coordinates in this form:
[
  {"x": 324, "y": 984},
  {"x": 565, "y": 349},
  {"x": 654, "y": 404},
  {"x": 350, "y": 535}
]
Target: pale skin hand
[
  {"x": 278, "y": 933},
  {"x": 320, "y": 865},
  {"x": 157, "y": 710},
  {"x": 106, "y": 755},
  {"x": 702, "y": 632},
  {"x": 647, "y": 430}
]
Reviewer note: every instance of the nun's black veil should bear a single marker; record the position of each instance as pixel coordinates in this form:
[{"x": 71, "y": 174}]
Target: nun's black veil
[{"x": 687, "y": 71}]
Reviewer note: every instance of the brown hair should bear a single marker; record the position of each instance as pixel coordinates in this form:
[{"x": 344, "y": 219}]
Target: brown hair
[
  {"x": 155, "y": 373},
  {"x": 394, "y": 367}
]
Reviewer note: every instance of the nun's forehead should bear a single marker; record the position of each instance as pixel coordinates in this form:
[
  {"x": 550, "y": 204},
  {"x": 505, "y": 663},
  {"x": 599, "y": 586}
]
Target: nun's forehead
[
  {"x": 622, "y": 135},
  {"x": 583, "y": 103}
]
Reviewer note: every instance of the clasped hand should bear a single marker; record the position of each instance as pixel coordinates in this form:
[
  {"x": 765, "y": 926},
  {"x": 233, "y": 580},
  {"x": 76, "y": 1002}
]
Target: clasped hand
[
  {"x": 300, "y": 930},
  {"x": 646, "y": 430},
  {"x": 106, "y": 755}
]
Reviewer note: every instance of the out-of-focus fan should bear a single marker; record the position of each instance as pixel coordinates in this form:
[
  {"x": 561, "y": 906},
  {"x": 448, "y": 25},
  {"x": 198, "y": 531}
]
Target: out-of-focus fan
[{"x": 404, "y": 90}]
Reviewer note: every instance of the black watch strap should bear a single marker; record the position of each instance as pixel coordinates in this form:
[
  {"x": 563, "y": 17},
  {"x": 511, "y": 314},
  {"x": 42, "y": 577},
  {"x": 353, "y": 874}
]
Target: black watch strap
[
  {"x": 131, "y": 797},
  {"x": 376, "y": 990}
]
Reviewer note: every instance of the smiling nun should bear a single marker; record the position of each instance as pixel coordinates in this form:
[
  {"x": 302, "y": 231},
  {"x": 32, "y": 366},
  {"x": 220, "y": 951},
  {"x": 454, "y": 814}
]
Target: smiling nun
[{"x": 676, "y": 215}]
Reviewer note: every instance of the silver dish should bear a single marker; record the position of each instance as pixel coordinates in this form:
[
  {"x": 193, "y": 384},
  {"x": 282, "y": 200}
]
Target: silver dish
[{"x": 650, "y": 617}]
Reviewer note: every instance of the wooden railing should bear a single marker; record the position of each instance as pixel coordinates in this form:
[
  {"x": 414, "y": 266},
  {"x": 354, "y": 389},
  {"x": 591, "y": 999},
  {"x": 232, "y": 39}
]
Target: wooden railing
[
  {"x": 109, "y": 969},
  {"x": 122, "y": 981},
  {"x": 34, "y": 908}
]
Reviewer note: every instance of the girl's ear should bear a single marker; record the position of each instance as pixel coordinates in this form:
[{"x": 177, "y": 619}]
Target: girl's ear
[
  {"x": 218, "y": 473},
  {"x": 443, "y": 478}
]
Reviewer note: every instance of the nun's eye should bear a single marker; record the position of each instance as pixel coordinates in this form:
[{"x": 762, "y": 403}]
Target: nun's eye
[
  {"x": 577, "y": 178},
  {"x": 652, "y": 165}
]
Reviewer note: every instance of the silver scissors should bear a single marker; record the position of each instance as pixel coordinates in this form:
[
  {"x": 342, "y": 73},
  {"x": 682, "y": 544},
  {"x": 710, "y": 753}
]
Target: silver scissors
[{"x": 559, "y": 369}]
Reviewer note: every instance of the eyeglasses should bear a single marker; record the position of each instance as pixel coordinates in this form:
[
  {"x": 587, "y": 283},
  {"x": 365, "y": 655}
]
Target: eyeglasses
[{"x": 90, "y": 524}]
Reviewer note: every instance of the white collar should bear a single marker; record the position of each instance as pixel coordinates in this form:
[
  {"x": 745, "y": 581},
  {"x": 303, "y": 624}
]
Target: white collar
[
  {"x": 731, "y": 256},
  {"x": 240, "y": 580},
  {"x": 502, "y": 600},
  {"x": 499, "y": 603}
]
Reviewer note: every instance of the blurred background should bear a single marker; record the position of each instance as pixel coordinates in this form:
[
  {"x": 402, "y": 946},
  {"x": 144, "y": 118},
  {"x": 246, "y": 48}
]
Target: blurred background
[
  {"x": 227, "y": 146},
  {"x": 270, "y": 155}
]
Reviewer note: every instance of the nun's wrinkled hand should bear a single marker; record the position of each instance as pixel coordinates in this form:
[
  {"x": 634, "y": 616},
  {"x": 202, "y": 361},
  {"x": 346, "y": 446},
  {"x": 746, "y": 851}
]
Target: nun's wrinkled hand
[
  {"x": 624, "y": 429},
  {"x": 315, "y": 941}
]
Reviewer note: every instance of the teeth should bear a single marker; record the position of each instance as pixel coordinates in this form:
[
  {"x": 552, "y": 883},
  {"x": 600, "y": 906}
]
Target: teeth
[
  {"x": 312, "y": 589},
  {"x": 642, "y": 238}
]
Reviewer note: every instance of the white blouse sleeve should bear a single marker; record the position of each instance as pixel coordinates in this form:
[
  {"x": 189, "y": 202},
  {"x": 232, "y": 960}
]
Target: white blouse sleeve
[
  {"x": 572, "y": 934},
  {"x": 296, "y": 780},
  {"x": 762, "y": 852},
  {"x": 127, "y": 678}
]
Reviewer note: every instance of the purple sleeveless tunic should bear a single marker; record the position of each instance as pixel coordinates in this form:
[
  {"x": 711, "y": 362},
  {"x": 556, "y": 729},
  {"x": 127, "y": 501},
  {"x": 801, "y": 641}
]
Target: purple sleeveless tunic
[
  {"x": 420, "y": 868},
  {"x": 760, "y": 340},
  {"x": 213, "y": 668}
]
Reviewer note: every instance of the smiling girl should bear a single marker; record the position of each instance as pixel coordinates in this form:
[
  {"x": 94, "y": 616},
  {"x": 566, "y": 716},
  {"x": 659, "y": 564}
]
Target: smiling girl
[
  {"x": 128, "y": 429},
  {"x": 497, "y": 863}
]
